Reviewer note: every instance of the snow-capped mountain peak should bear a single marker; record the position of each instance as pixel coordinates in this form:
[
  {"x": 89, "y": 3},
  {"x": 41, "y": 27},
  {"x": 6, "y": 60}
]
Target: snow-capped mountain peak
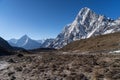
[
  {"x": 83, "y": 14},
  {"x": 23, "y": 41},
  {"x": 86, "y": 24},
  {"x": 26, "y": 42},
  {"x": 25, "y": 37}
]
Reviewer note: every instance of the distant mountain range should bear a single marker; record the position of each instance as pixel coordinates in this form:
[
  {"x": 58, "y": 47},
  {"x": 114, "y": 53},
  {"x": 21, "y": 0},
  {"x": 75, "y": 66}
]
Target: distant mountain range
[
  {"x": 17, "y": 45},
  {"x": 28, "y": 43},
  {"x": 86, "y": 24}
]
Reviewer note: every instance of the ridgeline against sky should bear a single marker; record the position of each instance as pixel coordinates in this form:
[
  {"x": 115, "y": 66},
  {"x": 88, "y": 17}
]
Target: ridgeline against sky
[{"x": 46, "y": 18}]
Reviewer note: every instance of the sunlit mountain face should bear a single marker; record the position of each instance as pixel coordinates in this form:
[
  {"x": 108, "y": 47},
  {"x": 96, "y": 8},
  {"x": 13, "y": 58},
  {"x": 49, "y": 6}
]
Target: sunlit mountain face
[{"x": 86, "y": 24}]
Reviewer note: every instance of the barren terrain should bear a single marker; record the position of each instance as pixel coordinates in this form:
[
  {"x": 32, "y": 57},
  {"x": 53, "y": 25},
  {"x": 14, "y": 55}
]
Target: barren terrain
[{"x": 58, "y": 65}]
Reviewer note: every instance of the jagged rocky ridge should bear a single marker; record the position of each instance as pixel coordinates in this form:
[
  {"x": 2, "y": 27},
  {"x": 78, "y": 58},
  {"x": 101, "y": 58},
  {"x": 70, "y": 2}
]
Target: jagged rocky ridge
[
  {"x": 46, "y": 43},
  {"x": 86, "y": 24}
]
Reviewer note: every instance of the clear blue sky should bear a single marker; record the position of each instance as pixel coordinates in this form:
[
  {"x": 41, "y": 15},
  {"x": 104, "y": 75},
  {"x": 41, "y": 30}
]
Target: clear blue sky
[{"x": 41, "y": 19}]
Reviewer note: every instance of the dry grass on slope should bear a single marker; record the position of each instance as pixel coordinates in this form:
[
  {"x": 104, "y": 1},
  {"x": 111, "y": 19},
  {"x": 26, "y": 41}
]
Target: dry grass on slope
[{"x": 103, "y": 42}]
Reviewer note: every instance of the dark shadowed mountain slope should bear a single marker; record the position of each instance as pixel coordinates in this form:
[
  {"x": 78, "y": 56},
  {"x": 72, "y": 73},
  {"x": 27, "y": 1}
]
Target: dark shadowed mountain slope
[
  {"x": 4, "y": 44},
  {"x": 5, "y": 48}
]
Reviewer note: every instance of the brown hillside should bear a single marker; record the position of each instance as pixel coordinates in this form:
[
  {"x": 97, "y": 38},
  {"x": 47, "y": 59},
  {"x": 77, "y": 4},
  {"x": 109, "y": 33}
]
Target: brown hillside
[{"x": 103, "y": 42}]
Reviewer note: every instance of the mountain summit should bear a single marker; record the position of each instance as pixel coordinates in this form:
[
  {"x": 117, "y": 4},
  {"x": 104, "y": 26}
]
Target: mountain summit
[
  {"x": 25, "y": 42},
  {"x": 86, "y": 24}
]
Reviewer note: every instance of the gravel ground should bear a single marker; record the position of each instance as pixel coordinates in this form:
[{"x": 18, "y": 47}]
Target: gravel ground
[{"x": 60, "y": 66}]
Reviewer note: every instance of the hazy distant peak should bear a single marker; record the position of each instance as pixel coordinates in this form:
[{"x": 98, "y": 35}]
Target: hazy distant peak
[
  {"x": 27, "y": 43},
  {"x": 25, "y": 36}
]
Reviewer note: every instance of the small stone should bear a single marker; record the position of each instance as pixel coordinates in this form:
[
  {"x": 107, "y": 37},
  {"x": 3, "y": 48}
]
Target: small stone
[
  {"x": 13, "y": 78},
  {"x": 18, "y": 68},
  {"x": 11, "y": 73},
  {"x": 11, "y": 61},
  {"x": 20, "y": 55}
]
